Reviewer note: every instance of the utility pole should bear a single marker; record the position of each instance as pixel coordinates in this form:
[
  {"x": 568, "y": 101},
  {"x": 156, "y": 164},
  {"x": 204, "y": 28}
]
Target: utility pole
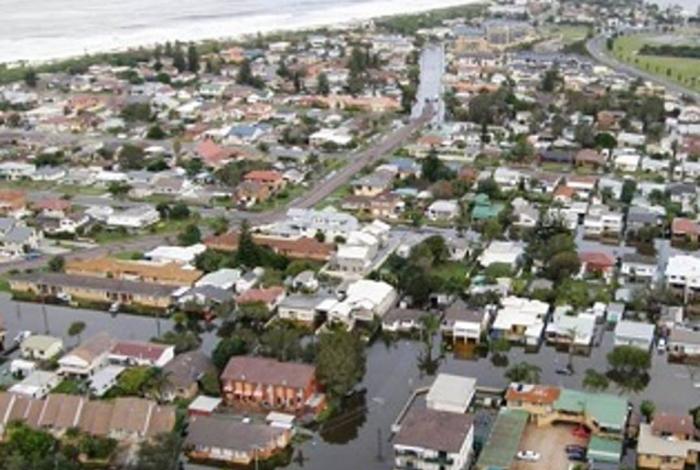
[
  {"x": 46, "y": 318},
  {"x": 380, "y": 453}
]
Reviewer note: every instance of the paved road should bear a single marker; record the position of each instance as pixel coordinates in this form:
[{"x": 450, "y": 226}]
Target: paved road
[{"x": 597, "y": 48}]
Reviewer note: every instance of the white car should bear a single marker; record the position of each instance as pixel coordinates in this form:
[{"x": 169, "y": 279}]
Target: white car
[{"x": 528, "y": 455}]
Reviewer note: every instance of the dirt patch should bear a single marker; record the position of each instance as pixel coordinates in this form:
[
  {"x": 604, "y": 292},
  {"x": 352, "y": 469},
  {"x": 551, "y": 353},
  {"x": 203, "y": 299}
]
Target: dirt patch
[{"x": 549, "y": 442}]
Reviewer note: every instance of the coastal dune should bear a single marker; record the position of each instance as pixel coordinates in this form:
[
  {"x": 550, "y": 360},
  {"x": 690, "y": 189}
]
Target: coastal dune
[{"x": 42, "y": 30}]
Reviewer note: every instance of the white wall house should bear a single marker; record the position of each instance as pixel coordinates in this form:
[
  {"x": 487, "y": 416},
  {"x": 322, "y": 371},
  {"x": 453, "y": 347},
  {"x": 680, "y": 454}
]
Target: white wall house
[{"x": 632, "y": 333}]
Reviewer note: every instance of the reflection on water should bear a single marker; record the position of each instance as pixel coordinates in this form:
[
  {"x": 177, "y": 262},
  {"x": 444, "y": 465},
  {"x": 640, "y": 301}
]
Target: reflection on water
[{"x": 345, "y": 426}]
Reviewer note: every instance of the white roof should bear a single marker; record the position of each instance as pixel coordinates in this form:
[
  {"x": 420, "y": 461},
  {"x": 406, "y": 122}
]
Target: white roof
[
  {"x": 444, "y": 206},
  {"x": 683, "y": 265},
  {"x": 180, "y": 254},
  {"x": 353, "y": 252},
  {"x": 582, "y": 325},
  {"x": 634, "y": 329},
  {"x": 204, "y": 403},
  {"x": 223, "y": 278},
  {"x": 453, "y": 390},
  {"x": 648, "y": 443}
]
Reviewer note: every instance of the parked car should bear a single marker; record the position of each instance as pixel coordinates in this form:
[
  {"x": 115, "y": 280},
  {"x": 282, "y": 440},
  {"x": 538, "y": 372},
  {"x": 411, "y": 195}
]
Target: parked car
[
  {"x": 575, "y": 448},
  {"x": 577, "y": 457},
  {"x": 661, "y": 346},
  {"x": 565, "y": 371},
  {"x": 528, "y": 455}
]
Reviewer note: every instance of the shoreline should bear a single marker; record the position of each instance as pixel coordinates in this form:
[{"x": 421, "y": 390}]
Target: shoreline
[{"x": 195, "y": 34}]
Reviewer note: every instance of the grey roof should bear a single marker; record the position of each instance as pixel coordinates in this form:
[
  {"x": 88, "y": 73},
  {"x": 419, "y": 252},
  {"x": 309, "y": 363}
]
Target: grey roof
[
  {"x": 96, "y": 283},
  {"x": 641, "y": 216},
  {"x": 6, "y": 223},
  {"x": 303, "y": 301},
  {"x": 684, "y": 335},
  {"x": 459, "y": 311},
  {"x": 435, "y": 430},
  {"x": 17, "y": 235},
  {"x": 227, "y": 433},
  {"x": 403, "y": 314},
  {"x": 186, "y": 369},
  {"x": 208, "y": 292},
  {"x": 638, "y": 259}
]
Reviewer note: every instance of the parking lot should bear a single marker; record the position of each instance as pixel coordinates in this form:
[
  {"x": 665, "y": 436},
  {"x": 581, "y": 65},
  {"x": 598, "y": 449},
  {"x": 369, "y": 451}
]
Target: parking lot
[{"x": 549, "y": 442}]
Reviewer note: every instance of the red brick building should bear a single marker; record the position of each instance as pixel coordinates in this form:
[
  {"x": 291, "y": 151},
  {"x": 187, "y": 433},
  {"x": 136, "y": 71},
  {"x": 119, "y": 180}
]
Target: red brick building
[{"x": 270, "y": 384}]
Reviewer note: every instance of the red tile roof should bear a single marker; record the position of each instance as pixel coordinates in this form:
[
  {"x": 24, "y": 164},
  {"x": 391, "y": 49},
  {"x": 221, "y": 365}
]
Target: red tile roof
[
  {"x": 665, "y": 423},
  {"x": 682, "y": 226},
  {"x": 268, "y": 372},
  {"x": 597, "y": 259},
  {"x": 267, "y": 296},
  {"x": 139, "y": 349}
]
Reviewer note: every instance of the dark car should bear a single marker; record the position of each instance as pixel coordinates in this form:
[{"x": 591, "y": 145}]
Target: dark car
[
  {"x": 571, "y": 448},
  {"x": 565, "y": 371},
  {"x": 577, "y": 457}
]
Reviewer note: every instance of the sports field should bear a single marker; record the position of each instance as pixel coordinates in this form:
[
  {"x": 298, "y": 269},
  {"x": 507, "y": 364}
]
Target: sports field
[{"x": 682, "y": 70}]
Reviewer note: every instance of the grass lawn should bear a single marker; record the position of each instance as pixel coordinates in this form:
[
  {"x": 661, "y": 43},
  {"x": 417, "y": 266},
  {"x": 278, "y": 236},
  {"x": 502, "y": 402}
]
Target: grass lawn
[
  {"x": 69, "y": 387},
  {"x": 569, "y": 33},
  {"x": 451, "y": 270},
  {"x": 288, "y": 194},
  {"x": 677, "y": 69},
  {"x": 129, "y": 255},
  {"x": 4, "y": 284}
]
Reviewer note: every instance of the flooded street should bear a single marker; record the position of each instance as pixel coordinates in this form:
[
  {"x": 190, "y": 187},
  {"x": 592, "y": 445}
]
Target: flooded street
[
  {"x": 432, "y": 68},
  {"x": 360, "y": 438}
]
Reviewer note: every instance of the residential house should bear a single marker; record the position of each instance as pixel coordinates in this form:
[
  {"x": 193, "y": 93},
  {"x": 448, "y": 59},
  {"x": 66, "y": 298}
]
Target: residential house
[
  {"x": 502, "y": 252},
  {"x": 263, "y": 382},
  {"x": 670, "y": 442},
  {"x": 463, "y": 324},
  {"x": 272, "y": 180},
  {"x": 182, "y": 255},
  {"x": 601, "y": 222},
  {"x": 249, "y": 193},
  {"x": 13, "y": 203},
  {"x": 88, "y": 358},
  {"x": 485, "y": 209},
  {"x": 363, "y": 300},
  {"x": 683, "y": 274},
  {"x": 104, "y": 291},
  {"x": 171, "y": 274},
  {"x": 684, "y": 231},
  {"x": 41, "y": 347},
  {"x": 373, "y": 184},
  {"x": 137, "y": 217},
  {"x": 633, "y": 333},
  {"x": 683, "y": 344},
  {"x": 17, "y": 239},
  {"x": 573, "y": 332},
  {"x": 443, "y": 210},
  {"x": 16, "y": 170},
  {"x": 403, "y": 320},
  {"x": 638, "y": 268},
  {"x": 302, "y": 308},
  {"x": 37, "y": 384},
  {"x": 429, "y": 435},
  {"x": 597, "y": 263},
  {"x": 520, "y": 320},
  {"x": 270, "y": 297},
  {"x": 184, "y": 372},
  {"x": 221, "y": 438},
  {"x": 525, "y": 214},
  {"x": 141, "y": 353}
]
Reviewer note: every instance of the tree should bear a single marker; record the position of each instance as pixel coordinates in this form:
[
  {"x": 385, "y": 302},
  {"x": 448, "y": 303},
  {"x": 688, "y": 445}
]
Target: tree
[
  {"x": 179, "y": 211},
  {"x": 179, "y": 61},
  {"x": 563, "y": 265},
  {"x": 281, "y": 342},
  {"x": 189, "y": 236},
  {"x": 499, "y": 349},
  {"x": 255, "y": 313},
  {"x": 433, "y": 169},
  {"x": 155, "y": 133},
  {"x": 550, "y": 80},
  {"x": 30, "y": 78},
  {"x": 192, "y": 59},
  {"x": 647, "y": 408},
  {"x": 605, "y": 140},
  {"x": 118, "y": 189},
  {"x": 76, "y": 329},
  {"x": 247, "y": 252},
  {"x": 131, "y": 157},
  {"x": 524, "y": 372},
  {"x": 219, "y": 225},
  {"x": 595, "y": 381},
  {"x": 160, "y": 453},
  {"x": 340, "y": 362},
  {"x": 629, "y": 366},
  {"x": 137, "y": 112},
  {"x": 323, "y": 86},
  {"x": 57, "y": 264},
  {"x": 628, "y": 189}
]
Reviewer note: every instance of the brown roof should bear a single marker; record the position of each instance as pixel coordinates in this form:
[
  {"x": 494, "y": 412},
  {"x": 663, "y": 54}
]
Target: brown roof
[
  {"x": 130, "y": 415},
  {"x": 435, "y": 430},
  {"x": 61, "y": 411},
  {"x": 54, "y": 204},
  {"x": 268, "y": 372},
  {"x": 459, "y": 311},
  {"x": 597, "y": 259},
  {"x": 302, "y": 248},
  {"x": 535, "y": 394},
  {"x": 682, "y": 226},
  {"x": 96, "y": 417},
  {"x": 265, "y": 296},
  {"x": 665, "y": 423},
  {"x": 93, "y": 347},
  {"x": 589, "y": 156},
  {"x": 168, "y": 273}
]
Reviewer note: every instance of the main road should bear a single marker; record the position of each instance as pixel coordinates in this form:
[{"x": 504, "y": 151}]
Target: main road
[{"x": 597, "y": 48}]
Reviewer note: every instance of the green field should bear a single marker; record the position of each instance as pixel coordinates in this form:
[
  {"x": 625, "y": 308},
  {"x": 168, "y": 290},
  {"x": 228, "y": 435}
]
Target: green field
[
  {"x": 569, "y": 34},
  {"x": 680, "y": 70}
]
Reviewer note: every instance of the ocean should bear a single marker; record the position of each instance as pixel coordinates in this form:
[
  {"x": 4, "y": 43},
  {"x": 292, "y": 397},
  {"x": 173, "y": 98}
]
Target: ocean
[{"x": 39, "y": 30}]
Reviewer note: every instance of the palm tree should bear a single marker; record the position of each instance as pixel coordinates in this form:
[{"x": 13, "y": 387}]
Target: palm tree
[{"x": 594, "y": 380}]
